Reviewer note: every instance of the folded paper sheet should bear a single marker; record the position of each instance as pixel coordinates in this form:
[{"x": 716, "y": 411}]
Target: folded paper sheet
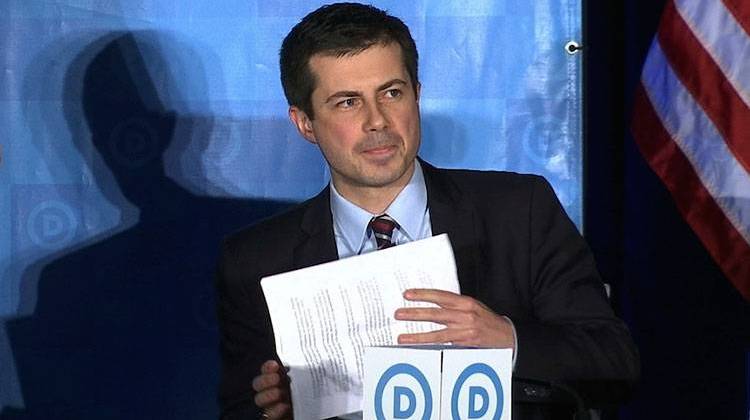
[{"x": 324, "y": 316}]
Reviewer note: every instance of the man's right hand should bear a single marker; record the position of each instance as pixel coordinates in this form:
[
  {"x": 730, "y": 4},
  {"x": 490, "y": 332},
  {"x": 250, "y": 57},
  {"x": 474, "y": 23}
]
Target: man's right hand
[{"x": 273, "y": 394}]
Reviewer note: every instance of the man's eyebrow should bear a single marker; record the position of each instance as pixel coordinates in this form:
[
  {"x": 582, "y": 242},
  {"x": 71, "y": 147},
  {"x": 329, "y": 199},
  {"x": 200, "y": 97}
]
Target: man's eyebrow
[
  {"x": 343, "y": 94},
  {"x": 354, "y": 93},
  {"x": 390, "y": 83}
]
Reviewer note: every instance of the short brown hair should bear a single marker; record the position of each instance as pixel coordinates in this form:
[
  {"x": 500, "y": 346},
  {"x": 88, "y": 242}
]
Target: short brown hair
[{"x": 338, "y": 29}]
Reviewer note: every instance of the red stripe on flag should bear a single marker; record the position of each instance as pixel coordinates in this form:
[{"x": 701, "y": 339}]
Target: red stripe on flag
[
  {"x": 704, "y": 79},
  {"x": 740, "y": 9},
  {"x": 725, "y": 244}
]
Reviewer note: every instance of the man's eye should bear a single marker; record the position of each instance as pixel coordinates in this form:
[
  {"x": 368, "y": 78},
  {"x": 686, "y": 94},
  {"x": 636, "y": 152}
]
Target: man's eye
[
  {"x": 393, "y": 93},
  {"x": 347, "y": 103}
]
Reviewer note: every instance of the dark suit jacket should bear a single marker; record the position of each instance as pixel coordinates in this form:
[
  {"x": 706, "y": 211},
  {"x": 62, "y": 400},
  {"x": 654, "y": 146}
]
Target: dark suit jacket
[{"x": 515, "y": 249}]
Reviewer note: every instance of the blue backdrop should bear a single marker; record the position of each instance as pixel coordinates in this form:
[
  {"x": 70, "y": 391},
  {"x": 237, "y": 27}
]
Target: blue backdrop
[{"x": 135, "y": 134}]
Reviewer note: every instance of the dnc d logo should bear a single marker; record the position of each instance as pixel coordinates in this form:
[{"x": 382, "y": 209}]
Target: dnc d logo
[
  {"x": 477, "y": 394},
  {"x": 405, "y": 383},
  {"x": 403, "y": 392}
]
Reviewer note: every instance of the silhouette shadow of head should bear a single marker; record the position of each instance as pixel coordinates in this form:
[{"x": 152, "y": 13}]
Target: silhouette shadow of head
[
  {"x": 130, "y": 127},
  {"x": 124, "y": 326}
]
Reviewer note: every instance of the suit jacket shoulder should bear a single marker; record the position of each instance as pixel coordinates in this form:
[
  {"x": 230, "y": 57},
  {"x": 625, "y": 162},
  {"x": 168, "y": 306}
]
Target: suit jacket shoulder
[
  {"x": 299, "y": 237},
  {"x": 508, "y": 189}
]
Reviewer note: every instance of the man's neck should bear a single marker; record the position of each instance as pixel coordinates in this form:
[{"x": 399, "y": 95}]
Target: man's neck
[{"x": 374, "y": 199}]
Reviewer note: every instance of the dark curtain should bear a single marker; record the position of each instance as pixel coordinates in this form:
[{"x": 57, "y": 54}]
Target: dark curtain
[{"x": 691, "y": 326}]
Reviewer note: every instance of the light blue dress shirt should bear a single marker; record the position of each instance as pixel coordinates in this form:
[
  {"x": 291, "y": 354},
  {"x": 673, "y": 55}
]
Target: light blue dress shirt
[{"x": 409, "y": 210}]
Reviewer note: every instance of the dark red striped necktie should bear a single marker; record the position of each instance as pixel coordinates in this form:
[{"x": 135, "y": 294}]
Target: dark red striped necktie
[{"x": 382, "y": 227}]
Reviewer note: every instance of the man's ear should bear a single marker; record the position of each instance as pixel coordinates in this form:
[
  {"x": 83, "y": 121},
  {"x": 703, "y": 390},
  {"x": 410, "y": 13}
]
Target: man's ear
[
  {"x": 303, "y": 124},
  {"x": 418, "y": 91}
]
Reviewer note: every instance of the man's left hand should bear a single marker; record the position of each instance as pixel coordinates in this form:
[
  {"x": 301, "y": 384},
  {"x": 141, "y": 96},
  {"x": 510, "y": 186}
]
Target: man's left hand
[{"x": 467, "y": 321}]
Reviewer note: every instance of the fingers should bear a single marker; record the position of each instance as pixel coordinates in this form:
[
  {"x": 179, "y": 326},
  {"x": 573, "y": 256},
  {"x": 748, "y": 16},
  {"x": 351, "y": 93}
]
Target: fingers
[
  {"x": 452, "y": 308},
  {"x": 272, "y": 387},
  {"x": 475, "y": 337},
  {"x": 271, "y": 374},
  {"x": 438, "y": 315},
  {"x": 442, "y": 298},
  {"x": 271, "y": 396},
  {"x": 423, "y": 338},
  {"x": 268, "y": 380},
  {"x": 270, "y": 366},
  {"x": 278, "y": 412},
  {"x": 446, "y": 335}
]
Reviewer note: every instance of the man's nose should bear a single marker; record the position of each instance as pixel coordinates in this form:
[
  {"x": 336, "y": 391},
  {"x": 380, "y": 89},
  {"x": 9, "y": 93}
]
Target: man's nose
[{"x": 376, "y": 118}]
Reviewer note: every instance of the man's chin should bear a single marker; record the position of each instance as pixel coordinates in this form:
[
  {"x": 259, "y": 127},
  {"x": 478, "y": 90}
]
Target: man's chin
[{"x": 385, "y": 176}]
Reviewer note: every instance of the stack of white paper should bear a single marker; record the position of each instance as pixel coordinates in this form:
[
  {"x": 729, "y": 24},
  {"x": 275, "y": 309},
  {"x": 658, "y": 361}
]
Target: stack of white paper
[{"x": 324, "y": 316}]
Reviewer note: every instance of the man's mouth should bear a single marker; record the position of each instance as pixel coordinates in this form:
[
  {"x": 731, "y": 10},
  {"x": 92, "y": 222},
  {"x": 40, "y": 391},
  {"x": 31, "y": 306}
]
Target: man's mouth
[
  {"x": 380, "y": 150},
  {"x": 382, "y": 145}
]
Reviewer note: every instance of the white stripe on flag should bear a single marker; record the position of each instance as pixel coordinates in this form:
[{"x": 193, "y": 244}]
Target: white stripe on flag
[
  {"x": 724, "y": 178},
  {"x": 722, "y": 37}
]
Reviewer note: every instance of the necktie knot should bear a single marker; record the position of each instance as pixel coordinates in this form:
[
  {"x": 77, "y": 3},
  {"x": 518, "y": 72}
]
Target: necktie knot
[{"x": 382, "y": 227}]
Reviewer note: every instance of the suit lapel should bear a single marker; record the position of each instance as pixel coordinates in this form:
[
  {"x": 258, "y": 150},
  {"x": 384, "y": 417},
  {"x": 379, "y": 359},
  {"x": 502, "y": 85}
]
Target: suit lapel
[
  {"x": 453, "y": 214},
  {"x": 317, "y": 244}
]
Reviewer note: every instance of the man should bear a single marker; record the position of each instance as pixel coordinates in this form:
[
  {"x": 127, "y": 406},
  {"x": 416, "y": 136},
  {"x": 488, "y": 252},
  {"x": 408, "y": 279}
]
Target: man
[{"x": 528, "y": 281}]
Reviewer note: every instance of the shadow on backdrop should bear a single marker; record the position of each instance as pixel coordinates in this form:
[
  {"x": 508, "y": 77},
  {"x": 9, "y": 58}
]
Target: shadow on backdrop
[{"x": 124, "y": 325}]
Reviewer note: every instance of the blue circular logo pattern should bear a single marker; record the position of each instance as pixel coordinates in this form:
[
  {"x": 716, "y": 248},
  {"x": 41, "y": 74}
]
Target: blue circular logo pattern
[
  {"x": 407, "y": 369},
  {"x": 477, "y": 368},
  {"x": 51, "y": 224},
  {"x": 134, "y": 142}
]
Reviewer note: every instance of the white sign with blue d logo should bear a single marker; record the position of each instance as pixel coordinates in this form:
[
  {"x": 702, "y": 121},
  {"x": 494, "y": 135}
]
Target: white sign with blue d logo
[
  {"x": 477, "y": 384},
  {"x": 477, "y": 393},
  {"x": 410, "y": 394},
  {"x": 401, "y": 383},
  {"x": 437, "y": 382}
]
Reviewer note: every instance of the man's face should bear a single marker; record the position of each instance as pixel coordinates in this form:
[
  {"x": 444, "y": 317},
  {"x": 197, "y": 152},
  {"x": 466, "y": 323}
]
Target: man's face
[{"x": 366, "y": 118}]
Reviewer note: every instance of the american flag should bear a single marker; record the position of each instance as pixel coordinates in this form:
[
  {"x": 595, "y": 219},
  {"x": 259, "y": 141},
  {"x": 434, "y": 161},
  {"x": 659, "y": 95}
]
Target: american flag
[{"x": 691, "y": 122}]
